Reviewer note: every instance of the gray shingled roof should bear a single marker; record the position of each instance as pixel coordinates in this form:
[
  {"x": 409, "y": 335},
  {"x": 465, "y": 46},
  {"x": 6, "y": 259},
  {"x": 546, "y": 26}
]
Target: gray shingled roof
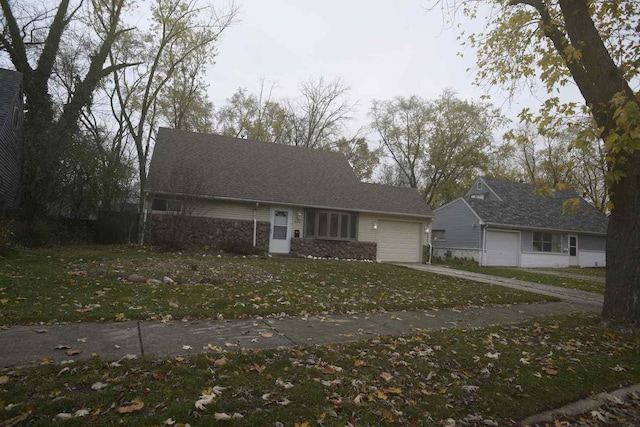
[
  {"x": 226, "y": 167},
  {"x": 522, "y": 207},
  {"x": 10, "y": 82}
]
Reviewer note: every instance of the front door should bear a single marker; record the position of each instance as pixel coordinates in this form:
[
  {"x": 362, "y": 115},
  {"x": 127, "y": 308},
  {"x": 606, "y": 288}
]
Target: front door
[
  {"x": 573, "y": 249},
  {"x": 280, "y": 239}
]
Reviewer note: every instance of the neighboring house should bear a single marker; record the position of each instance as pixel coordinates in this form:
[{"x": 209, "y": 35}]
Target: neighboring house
[
  {"x": 11, "y": 139},
  {"x": 229, "y": 192},
  {"x": 503, "y": 223}
]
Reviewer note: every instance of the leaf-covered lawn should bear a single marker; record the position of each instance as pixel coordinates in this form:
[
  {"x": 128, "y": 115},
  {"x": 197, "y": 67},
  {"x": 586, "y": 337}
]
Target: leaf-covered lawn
[
  {"x": 116, "y": 283},
  {"x": 547, "y": 279},
  {"x": 482, "y": 377},
  {"x": 596, "y": 272}
]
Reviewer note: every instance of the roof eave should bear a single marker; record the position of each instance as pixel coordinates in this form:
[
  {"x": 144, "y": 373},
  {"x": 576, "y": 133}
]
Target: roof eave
[
  {"x": 526, "y": 227},
  {"x": 234, "y": 199}
]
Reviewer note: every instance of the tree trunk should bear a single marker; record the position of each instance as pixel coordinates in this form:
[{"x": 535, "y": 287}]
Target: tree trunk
[
  {"x": 600, "y": 81},
  {"x": 622, "y": 291}
]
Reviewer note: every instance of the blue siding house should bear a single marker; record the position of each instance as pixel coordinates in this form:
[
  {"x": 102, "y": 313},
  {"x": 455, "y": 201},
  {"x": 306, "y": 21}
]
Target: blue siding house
[
  {"x": 503, "y": 223},
  {"x": 11, "y": 139}
]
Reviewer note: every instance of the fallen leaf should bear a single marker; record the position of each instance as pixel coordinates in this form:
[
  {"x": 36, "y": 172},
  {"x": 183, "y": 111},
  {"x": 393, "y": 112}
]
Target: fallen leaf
[
  {"x": 4, "y": 379},
  {"x": 258, "y": 368},
  {"x": 135, "y": 405},
  {"x": 328, "y": 369},
  {"x": 73, "y": 352},
  {"x": 550, "y": 371},
  {"x": 62, "y": 347},
  {"x": 120, "y": 317},
  {"x": 63, "y": 416},
  {"x": 266, "y": 334},
  {"x": 284, "y": 402},
  {"x": 187, "y": 347},
  {"x": 220, "y": 362},
  {"x": 16, "y": 420},
  {"x": 386, "y": 376},
  {"x": 204, "y": 400},
  {"x": 99, "y": 386},
  {"x": 81, "y": 413}
]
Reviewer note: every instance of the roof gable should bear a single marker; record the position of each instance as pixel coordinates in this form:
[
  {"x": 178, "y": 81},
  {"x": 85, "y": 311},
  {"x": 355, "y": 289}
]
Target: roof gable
[
  {"x": 225, "y": 167},
  {"x": 522, "y": 207}
]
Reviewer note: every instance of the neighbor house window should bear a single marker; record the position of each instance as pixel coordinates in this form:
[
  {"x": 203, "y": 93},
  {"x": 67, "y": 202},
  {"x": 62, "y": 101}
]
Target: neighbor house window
[
  {"x": 478, "y": 196},
  {"x": 547, "y": 242},
  {"x": 479, "y": 186},
  {"x": 330, "y": 224},
  {"x": 166, "y": 205},
  {"x": 438, "y": 235}
]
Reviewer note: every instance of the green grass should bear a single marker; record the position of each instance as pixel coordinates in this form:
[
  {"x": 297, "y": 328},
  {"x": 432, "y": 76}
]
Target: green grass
[
  {"x": 71, "y": 284},
  {"x": 529, "y": 276},
  {"x": 502, "y": 373},
  {"x": 594, "y": 272}
]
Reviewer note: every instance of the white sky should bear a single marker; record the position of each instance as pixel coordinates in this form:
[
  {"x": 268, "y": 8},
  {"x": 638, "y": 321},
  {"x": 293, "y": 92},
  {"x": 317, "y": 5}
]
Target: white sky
[{"x": 380, "y": 48}]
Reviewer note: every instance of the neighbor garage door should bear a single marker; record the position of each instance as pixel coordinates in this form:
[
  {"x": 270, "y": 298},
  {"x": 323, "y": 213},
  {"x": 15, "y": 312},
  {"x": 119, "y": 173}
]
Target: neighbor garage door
[
  {"x": 502, "y": 248},
  {"x": 399, "y": 241}
]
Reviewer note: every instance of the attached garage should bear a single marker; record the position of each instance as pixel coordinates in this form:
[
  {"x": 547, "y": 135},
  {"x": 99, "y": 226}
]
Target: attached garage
[
  {"x": 502, "y": 248},
  {"x": 399, "y": 241}
]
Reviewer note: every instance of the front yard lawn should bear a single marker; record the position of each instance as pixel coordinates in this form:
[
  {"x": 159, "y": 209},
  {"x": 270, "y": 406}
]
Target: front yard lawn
[
  {"x": 546, "y": 279},
  {"x": 493, "y": 376},
  {"x": 96, "y": 283}
]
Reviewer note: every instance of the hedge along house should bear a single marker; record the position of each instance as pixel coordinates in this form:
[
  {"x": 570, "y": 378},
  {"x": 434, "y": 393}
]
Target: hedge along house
[
  {"x": 11, "y": 139},
  {"x": 503, "y": 223},
  {"x": 235, "y": 193}
]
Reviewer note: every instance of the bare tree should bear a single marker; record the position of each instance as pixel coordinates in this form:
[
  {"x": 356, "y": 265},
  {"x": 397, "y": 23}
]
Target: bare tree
[
  {"x": 179, "y": 31},
  {"x": 318, "y": 118}
]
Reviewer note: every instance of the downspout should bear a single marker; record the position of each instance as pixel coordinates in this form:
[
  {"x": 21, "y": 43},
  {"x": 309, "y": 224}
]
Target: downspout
[
  {"x": 255, "y": 225},
  {"x": 483, "y": 232},
  {"x": 430, "y": 246}
]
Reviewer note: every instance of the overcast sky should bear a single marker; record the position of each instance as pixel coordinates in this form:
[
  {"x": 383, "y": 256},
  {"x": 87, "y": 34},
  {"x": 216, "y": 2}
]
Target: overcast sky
[{"x": 380, "y": 48}]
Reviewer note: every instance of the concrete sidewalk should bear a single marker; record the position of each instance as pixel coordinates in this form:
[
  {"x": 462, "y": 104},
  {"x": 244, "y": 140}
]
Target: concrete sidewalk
[
  {"x": 33, "y": 345},
  {"x": 566, "y": 294}
]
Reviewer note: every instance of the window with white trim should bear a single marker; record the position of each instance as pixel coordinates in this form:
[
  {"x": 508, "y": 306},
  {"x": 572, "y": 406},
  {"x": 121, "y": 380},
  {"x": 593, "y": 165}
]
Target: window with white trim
[
  {"x": 439, "y": 235},
  {"x": 547, "y": 242},
  {"x": 335, "y": 225},
  {"x": 166, "y": 205}
]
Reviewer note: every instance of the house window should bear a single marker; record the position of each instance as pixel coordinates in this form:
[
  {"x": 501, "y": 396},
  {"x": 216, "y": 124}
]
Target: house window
[
  {"x": 479, "y": 186},
  {"x": 547, "y": 242},
  {"x": 330, "y": 225},
  {"x": 438, "y": 235},
  {"x": 478, "y": 196},
  {"x": 166, "y": 205}
]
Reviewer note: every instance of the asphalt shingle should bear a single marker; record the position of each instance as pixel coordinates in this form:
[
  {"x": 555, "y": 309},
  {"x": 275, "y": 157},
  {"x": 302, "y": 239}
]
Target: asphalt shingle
[
  {"x": 522, "y": 206},
  {"x": 232, "y": 168}
]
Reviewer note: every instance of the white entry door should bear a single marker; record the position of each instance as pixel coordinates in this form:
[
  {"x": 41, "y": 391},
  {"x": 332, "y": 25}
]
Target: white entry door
[
  {"x": 573, "y": 250},
  {"x": 280, "y": 239}
]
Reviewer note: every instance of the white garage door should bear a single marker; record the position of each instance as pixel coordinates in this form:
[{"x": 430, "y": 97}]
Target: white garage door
[
  {"x": 502, "y": 248},
  {"x": 399, "y": 241}
]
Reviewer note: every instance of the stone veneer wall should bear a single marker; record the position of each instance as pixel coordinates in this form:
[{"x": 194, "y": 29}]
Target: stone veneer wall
[
  {"x": 333, "y": 249},
  {"x": 425, "y": 254},
  {"x": 215, "y": 232}
]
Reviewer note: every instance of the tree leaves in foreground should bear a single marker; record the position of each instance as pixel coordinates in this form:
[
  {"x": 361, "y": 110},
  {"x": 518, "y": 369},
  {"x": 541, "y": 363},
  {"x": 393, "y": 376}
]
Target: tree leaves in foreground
[{"x": 596, "y": 46}]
